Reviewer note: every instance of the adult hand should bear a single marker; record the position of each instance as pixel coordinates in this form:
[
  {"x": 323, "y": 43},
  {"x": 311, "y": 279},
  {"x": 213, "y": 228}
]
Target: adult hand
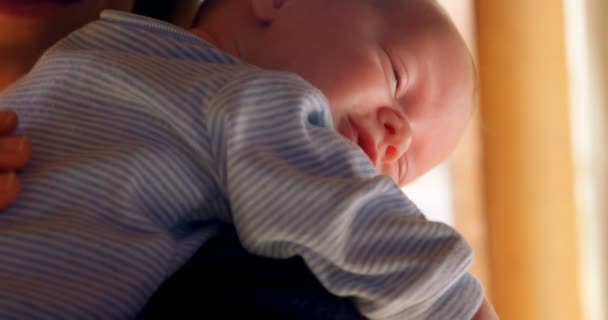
[{"x": 15, "y": 152}]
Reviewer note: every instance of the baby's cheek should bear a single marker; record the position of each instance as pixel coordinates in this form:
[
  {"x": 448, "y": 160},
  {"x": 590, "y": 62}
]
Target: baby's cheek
[{"x": 388, "y": 169}]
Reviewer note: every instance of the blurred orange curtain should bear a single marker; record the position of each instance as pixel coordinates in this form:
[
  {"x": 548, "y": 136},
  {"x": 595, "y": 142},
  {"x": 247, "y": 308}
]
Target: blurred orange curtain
[{"x": 527, "y": 163}]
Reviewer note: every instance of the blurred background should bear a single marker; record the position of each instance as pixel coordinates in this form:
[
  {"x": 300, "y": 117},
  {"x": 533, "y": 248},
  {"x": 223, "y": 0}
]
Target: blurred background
[{"x": 528, "y": 185}]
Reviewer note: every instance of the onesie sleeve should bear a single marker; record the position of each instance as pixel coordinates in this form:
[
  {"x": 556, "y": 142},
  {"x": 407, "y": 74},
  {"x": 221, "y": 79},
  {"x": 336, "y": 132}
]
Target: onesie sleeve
[{"x": 297, "y": 188}]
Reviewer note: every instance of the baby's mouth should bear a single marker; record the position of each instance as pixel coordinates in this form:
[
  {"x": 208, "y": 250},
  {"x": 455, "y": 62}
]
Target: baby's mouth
[{"x": 364, "y": 140}]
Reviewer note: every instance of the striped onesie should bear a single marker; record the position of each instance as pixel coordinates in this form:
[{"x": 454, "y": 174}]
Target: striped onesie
[{"x": 146, "y": 139}]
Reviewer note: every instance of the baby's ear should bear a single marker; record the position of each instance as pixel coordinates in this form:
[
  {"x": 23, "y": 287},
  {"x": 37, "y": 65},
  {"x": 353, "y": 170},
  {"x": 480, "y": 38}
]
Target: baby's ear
[{"x": 267, "y": 10}]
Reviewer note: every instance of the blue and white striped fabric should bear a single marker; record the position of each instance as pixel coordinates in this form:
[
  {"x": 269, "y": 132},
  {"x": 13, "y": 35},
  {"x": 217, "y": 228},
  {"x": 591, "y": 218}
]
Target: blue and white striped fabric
[{"x": 145, "y": 137}]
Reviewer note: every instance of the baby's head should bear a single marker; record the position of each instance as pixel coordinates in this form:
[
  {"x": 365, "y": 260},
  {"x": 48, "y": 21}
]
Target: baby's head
[{"x": 398, "y": 76}]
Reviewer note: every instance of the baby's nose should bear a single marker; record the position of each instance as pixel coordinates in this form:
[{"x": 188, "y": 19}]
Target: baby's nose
[{"x": 397, "y": 134}]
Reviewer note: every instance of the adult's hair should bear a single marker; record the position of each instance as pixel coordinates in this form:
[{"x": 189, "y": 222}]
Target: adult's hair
[{"x": 158, "y": 9}]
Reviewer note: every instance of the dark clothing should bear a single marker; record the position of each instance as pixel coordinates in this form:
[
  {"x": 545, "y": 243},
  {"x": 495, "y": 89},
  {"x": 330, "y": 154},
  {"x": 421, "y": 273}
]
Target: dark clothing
[{"x": 223, "y": 281}]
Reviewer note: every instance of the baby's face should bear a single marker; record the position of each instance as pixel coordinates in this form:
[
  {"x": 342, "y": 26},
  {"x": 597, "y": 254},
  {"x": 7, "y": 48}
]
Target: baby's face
[{"x": 397, "y": 75}]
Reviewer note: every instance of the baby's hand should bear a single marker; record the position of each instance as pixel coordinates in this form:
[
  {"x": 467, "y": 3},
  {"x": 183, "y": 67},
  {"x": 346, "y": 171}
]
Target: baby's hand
[{"x": 15, "y": 152}]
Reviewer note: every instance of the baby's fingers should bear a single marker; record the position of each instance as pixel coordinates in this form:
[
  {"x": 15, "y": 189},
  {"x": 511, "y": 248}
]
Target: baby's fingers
[
  {"x": 9, "y": 189},
  {"x": 15, "y": 152},
  {"x": 8, "y": 122}
]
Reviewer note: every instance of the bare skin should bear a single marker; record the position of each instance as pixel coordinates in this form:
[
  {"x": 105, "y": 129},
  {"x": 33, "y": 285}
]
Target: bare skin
[
  {"x": 15, "y": 151},
  {"x": 399, "y": 83}
]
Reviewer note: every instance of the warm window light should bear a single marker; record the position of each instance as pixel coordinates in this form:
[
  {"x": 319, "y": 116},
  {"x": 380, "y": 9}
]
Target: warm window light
[
  {"x": 432, "y": 194},
  {"x": 588, "y": 82}
]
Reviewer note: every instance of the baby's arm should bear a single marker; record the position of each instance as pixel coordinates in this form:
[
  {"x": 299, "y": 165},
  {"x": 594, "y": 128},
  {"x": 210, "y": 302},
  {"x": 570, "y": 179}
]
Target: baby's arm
[
  {"x": 297, "y": 188},
  {"x": 15, "y": 152}
]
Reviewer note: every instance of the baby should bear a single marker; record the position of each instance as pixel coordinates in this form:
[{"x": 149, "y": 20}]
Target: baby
[{"x": 147, "y": 137}]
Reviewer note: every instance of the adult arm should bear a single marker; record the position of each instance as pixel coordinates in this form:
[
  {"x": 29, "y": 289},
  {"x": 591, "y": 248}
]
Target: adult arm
[{"x": 222, "y": 273}]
